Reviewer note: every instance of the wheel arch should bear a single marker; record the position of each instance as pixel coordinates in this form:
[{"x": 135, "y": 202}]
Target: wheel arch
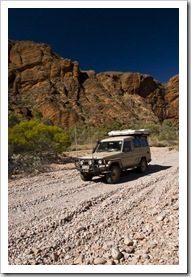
[
  {"x": 143, "y": 158},
  {"x": 117, "y": 163}
]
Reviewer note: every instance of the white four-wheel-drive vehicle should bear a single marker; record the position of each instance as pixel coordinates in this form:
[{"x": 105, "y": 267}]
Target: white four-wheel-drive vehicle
[{"x": 120, "y": 151}]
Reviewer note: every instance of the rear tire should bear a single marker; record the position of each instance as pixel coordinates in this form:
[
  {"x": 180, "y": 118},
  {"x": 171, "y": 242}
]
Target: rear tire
[
  {"x": 113, "y": 176},
  {"x": 142, "y": 166},
  {"x": 85, "y": 177}
]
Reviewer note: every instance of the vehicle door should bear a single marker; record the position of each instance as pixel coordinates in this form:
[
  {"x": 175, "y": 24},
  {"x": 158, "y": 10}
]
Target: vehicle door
[
  {"x": 138, "y": 151},
  {"x": 127, "y": 154}
]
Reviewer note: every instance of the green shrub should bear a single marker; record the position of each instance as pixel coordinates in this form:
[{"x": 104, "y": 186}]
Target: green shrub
[
  {"x": 37, "y": 115},
  {"x": 12, "y": 119},
  {"x": 37, "y": 138},
  {"x": 85, "y": 137},
  {"x": 47, "y": 121},
  {"x": 165, "y": 134},
  {"x": 169, "y": 131}
]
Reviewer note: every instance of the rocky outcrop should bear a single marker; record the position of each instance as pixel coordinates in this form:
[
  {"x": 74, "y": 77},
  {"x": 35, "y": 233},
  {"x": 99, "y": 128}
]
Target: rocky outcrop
[
  {"x": 172, "y": 97},
  {"x": 55, "y": 87}
]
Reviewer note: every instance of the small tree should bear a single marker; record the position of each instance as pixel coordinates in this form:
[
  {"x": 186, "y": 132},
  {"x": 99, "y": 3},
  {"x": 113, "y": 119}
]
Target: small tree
[{"x": 37, "y": 138}]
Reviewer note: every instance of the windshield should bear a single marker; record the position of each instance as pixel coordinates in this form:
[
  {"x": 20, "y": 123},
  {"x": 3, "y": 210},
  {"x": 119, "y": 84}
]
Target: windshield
[{"x": 110, "y": 146}]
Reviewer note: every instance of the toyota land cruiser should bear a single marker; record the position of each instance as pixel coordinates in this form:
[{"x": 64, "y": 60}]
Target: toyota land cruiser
[{"x": 120, "y": 151}]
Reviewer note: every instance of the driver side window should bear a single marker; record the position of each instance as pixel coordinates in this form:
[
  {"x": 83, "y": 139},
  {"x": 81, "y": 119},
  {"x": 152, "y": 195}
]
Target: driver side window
[{"x": 127, "y": 146}]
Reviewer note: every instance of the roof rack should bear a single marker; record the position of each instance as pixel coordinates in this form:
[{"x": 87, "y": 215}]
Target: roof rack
[{"x": 130, "y": 132}]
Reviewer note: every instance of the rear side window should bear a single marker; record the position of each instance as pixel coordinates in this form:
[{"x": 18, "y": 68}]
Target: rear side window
[
  {"x": 144, "y": 142},
  {"x": 127, "y": 146},
  {"x": 137, "y": 142}
]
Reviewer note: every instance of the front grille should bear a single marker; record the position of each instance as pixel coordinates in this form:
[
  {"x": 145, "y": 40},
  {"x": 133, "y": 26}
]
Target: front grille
[{"x": 94, "y": 162}]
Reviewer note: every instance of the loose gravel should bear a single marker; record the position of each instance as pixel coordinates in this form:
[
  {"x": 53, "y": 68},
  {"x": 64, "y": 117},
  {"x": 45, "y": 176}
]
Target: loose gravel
[{"x": 57, "y": 219}]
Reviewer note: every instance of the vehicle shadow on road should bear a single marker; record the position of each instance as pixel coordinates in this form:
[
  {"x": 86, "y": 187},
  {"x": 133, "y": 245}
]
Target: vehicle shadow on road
[
  {"x": 156, "y": 167},
  {"x": 132, "y": 174}
]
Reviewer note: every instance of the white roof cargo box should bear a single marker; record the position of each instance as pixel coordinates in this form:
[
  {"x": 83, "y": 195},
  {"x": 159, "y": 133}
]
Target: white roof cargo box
[{"x": 144, "y": 132}]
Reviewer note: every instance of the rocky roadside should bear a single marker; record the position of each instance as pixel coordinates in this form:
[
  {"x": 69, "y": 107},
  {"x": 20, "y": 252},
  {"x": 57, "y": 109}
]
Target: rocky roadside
[{"x": 62, "y": 220}]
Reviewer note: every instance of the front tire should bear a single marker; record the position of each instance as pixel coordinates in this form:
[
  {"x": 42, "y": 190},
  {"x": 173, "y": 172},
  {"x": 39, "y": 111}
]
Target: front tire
[
  {"x": 142, "y": 166},
  {"x": 113, "y": 176},
  {"x": 85, "y": 177}
]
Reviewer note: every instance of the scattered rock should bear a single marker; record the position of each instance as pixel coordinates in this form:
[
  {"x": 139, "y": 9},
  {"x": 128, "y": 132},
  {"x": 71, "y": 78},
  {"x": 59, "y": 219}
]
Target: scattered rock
[
  {"x": 160, "y": 217},
  {"x": 79, "y": 260},
  {"x": 128, "y": 241},
  {"x": 116, "y": 254},
  {"x": 128, "y": 249},
  {"x": 99, "y": 261},
  {"x": 139, "y": 236},
  {"x": 36, "y": 251},
  {"x": 110, "y": 262},
  {"x": 55, "y": 257}
]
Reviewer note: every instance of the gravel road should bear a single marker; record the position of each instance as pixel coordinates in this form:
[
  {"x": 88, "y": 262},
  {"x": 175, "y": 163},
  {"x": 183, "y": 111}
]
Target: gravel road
[{"x": 56, "y": 218}]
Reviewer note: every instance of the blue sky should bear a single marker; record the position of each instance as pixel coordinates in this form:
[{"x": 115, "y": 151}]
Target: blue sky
[{"x": 144, "y": 40}]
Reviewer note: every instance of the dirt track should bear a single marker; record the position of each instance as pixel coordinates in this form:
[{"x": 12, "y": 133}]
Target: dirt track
[{"x": 56, "y": 218}]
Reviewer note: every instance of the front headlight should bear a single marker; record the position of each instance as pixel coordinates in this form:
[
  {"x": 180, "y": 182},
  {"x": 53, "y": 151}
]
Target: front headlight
[
  {"x": 90, "y": 162},
  {"x": 81, "y": 162},
  {"x": 100, "y": 161}
]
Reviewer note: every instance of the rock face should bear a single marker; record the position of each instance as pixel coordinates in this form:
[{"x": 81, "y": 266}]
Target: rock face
[
  {"x": 42, "y": 82},
  {"x": 172, "y": 97}
]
